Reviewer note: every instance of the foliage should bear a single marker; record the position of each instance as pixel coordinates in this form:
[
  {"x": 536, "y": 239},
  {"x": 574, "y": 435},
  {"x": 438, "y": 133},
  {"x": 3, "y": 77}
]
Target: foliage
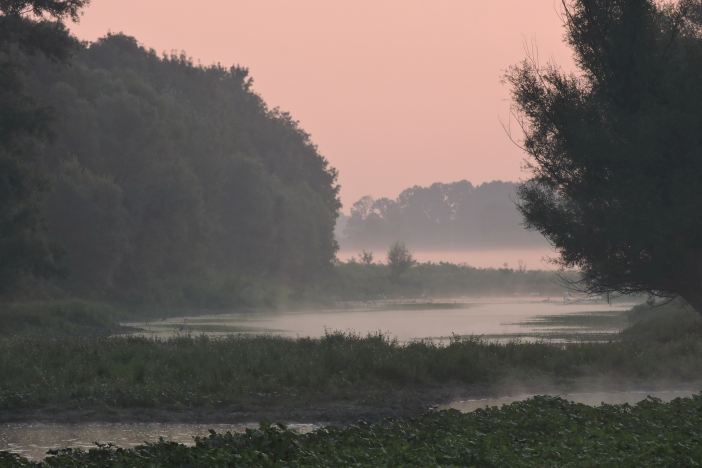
[
  {"x": 441, "y": 216},
  {"x": 541, "y": 431},
  {"x": 272, "y": 372},
  {"x": 59, "y": 318},
  {"x": 615, "y": 150},
  {"x": 175, "y": 183},
  {"x": 57, "y": 9},
  {"x": 663, "y": 322},
  {"x": 25, "y": 250},
  {"x": 366, "y": 257},
  {"x": 400, "y": 259},
  {"x": 359, "y": 281}
]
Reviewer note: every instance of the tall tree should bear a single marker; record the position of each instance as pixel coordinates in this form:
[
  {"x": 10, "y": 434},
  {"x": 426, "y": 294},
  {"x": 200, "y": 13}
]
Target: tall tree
[
  {"x": 616, "y": 150},
  {"x": 26, "y": 27},
  {"x": 173, "y": 182}
]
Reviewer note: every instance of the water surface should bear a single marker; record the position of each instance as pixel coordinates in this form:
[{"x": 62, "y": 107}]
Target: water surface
[
  {"x": 526, "y": 318},
  {"x": 33, "y": 440},
  {"x": 587, "y": 398}
]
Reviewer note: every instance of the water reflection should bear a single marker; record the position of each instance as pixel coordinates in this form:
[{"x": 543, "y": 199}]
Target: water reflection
[
  {"x": 33, "y": 440},
  {"x": 494, "y": 318},
  {"x": 587, "y": 398}
]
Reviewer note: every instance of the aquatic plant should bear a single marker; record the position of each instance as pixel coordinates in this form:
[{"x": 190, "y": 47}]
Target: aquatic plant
[{"x": 542, "y": 431}]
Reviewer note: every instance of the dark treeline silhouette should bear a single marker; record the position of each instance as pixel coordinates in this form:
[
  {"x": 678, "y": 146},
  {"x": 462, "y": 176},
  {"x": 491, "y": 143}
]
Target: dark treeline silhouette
[
  {"x": 441, "y": 216},
  {"x": 616, "y": 149},
  {"x": 170, "y": 182}
]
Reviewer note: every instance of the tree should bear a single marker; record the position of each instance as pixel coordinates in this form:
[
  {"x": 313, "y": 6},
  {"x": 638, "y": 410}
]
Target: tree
[
  {"x": 400, "y": 259},
  {"x": 442, "y": 215},
  {"x": 24, "y": 248},
  {"x": 85, "y": 212},
  {"x": 366, "y": 257},
  {"x": 172, "y": 182},
  {"x": 616, "y": 150}
]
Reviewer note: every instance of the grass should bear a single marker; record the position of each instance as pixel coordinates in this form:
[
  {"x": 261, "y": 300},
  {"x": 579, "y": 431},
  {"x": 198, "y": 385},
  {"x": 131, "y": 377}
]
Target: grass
[
  {"x": 539, "y": 432},
  {"x": 60, "y": 318},
  {"x": 240, "y": 372},
  {"x": 354, "y": 281},
  {"x": 663, "y": 344}
]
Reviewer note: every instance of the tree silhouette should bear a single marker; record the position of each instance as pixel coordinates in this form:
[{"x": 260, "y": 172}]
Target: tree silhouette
[
  {"x": 33, "y": 27},
  {"x": 400, "y": 259},
  {"x": 616, "y": 150}
]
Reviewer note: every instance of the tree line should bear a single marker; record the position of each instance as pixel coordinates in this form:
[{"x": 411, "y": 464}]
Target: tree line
[
  {"x": 132, "y": 176},
  {"x": 615, "y": 147},
  {"x": 440, "y": 216}
]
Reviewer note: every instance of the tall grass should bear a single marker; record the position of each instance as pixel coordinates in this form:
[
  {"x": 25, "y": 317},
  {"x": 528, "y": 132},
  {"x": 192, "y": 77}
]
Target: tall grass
[
  {"x": 238, "y": 372},
  {"x": 59, "y": 318}
]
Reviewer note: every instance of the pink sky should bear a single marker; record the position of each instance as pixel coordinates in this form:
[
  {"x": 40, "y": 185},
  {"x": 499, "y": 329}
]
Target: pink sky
[{"x": 394, "y": 92}]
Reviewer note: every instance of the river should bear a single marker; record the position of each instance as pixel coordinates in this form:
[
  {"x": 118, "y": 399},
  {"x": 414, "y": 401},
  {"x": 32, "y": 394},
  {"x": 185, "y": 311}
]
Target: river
[
  {"x": 33, "y": 440},
  {"x": 527, "y": 318}
]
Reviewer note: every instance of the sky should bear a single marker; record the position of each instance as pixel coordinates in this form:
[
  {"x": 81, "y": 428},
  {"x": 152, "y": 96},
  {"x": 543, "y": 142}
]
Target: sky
[{"x": 395, "y": 93}]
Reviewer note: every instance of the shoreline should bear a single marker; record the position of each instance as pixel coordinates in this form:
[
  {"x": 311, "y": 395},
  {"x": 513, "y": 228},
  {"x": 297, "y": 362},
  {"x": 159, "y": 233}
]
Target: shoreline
[{"x": 394, "y": 405}]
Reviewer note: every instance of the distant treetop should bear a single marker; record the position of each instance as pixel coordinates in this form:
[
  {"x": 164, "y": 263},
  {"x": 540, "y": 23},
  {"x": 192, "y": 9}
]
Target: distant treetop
[{"x": 452, "y": 215}]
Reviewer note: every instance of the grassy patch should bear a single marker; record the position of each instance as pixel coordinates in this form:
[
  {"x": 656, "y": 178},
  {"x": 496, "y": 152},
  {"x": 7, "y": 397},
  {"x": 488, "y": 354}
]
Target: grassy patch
[
  {"x": 543, "y": 431},
  {"x": 662, "y": 323},
  {"x": 246, "y": 372},
  {"x": 59, "y": 318}
]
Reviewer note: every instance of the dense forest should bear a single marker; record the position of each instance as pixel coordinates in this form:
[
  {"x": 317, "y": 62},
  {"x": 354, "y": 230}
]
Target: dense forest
[
  {"x": 441, "y": 216},
  {"x": 170, "y": 182}
]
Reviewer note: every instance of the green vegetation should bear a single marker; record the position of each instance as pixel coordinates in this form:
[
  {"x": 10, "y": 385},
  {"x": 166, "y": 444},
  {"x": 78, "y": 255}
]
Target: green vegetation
[
  {"x": 615, "y": 147},
  {"x": 163, "y": 183},
  {"x": 25, "y": 252},
  {"x": 400, "y": 259},
  {"x": 248, "y": 373},
  {"x": 60, "y": 318},
  {"x": 358, "y": 280},
  {"x": 663, "y": 323},
  {"x": 539, "y": 432},
  {"x": 132, "y": 179},
  {"x": 451, "y": 216}
]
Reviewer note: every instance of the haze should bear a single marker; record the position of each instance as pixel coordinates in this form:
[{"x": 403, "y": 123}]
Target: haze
[{"x": 395, "y": 93}]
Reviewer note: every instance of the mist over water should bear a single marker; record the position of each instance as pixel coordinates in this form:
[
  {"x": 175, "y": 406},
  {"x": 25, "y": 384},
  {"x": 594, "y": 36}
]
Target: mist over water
[
  {"x": 33, "y": 440},
  {"x": 537, "y": 258},
  {"x": 591, "y": 398},
  {"x": 437, "y": 320}
]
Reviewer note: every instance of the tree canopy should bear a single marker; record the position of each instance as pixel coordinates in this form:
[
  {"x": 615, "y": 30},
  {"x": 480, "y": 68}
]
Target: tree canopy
[
  {"x": 173, "y": 182},
  {"x": 616, "y": 149},
  {"x": 453, "y": 215},
  {"x": 25, "y": 250}
]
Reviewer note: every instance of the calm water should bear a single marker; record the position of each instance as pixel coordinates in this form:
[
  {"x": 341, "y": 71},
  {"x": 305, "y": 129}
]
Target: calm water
[
  {"x": 586, "y": 398},
  {"x": 33, "y": 440},
  {"x": 493, "y": 317}
]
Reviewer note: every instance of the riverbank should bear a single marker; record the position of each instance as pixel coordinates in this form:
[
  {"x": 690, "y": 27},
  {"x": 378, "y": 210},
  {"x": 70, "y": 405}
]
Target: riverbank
[
  {"x": 337, "y": 377},
  {"x": 542, "y": 431},
  {"x": 398, "y": 404}
]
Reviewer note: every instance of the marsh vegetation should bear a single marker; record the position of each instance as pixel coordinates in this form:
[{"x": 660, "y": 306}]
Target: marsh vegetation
[
  {"x": 543, "y": 431},
  {"x": 167, "y": 252}
]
